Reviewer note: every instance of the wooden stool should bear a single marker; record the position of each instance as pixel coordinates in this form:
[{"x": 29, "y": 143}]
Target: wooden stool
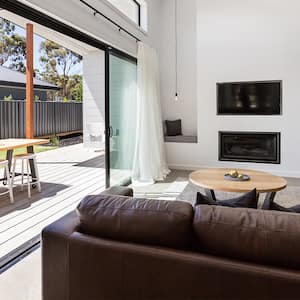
[
  {"x": 34, "y": 180},
  {"x": 9, "y": 187}
]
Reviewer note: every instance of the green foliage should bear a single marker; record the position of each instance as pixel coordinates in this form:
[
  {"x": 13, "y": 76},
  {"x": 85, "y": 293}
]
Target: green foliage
[
  {"x": 8, "y": 98},
  {"x": 58, "y": 63},
  {"x": 36, "y": 98},
  {"x": 37, "y": 149},
  {"x": 12, "y": 47},
  {"x": 54, "y": 140},
  {"x": 75, "y": 88}
]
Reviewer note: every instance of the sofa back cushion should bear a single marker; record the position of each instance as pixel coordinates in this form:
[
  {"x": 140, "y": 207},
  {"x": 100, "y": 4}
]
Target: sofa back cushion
[
  {"x": 259, "y": 236},
  {"x": 153, "y": 222}
]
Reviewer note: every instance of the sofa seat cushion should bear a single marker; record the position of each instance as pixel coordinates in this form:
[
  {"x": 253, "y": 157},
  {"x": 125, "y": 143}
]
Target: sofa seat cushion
[
  {"x": 266, "y": 237},
  {"x": 153, "y": 222}
]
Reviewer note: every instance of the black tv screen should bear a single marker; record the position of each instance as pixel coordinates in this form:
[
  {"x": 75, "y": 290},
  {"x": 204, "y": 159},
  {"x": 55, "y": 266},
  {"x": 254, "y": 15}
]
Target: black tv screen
[{"x": 249, "y": 98}]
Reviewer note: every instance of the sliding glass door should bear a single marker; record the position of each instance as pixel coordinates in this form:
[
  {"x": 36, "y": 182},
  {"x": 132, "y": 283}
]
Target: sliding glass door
[{"x": 121, "y": 129}]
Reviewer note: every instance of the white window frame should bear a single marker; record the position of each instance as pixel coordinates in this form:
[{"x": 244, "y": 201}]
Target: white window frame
[{"x": 142, "y": 23}]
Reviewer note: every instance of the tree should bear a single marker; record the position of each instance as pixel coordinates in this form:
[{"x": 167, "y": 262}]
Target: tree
[
  {"x": 75, "y": 87},
  {"x": 12, "y": 47},
  {"x": 58, "y": 63}
]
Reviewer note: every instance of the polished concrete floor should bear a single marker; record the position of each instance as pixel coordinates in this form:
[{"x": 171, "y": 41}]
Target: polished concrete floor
[
  {"x": 23, "y": 280},
  {"x": 159, "y": 188}
]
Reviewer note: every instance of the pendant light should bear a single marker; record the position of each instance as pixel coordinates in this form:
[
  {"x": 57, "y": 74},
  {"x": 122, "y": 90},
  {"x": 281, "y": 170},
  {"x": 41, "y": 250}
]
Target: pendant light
[{"x": 176, "y": 50}]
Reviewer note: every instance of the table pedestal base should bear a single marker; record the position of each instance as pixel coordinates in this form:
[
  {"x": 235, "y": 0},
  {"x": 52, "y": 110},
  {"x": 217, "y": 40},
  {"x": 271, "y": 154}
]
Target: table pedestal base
[
  {"x": 268, "y": 200},
  {"x": 210, "y": 194}
]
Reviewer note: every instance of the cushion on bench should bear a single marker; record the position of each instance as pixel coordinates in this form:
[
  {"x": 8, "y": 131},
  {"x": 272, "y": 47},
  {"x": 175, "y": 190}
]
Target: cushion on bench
[{"x": 181, "y": 139}]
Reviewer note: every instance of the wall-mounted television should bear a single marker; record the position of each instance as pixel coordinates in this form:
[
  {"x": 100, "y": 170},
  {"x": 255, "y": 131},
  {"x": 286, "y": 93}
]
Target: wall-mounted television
[{"x": 249, "y": 98}]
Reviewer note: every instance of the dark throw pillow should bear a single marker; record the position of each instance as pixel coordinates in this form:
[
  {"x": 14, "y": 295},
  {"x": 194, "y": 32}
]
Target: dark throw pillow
[
  {"x": 204, "y": 200},
  {"x": 293, "y": 209},
  {"x": 173, "y": 128},
  {"x": 248, "y": 200}
]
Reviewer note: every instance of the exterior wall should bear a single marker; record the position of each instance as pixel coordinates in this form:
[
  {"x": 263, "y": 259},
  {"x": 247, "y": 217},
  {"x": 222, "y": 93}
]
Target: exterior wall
[{"x": 94, "y": 99}]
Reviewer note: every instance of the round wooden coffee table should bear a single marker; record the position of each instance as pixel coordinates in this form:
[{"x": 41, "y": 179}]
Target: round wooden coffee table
[{"x": 213, "y": 180}]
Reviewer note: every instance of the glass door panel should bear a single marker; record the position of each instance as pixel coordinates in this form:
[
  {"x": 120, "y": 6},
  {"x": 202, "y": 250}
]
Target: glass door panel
[{"x": 122, "y": 117}]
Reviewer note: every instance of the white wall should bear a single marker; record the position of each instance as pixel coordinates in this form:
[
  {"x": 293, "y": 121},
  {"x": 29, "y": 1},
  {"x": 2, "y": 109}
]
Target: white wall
[
  {"x": 94, "y": 99},
  {"x": 185, "y": 108},
  {"x": 241, "y": 41}
]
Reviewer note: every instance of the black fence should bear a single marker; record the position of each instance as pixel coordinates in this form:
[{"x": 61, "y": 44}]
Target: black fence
[{"x": 50, "y": 118}]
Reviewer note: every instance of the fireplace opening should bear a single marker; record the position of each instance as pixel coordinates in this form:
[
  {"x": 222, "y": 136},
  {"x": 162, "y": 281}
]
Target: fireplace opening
[{"x": 258, "y": 147}]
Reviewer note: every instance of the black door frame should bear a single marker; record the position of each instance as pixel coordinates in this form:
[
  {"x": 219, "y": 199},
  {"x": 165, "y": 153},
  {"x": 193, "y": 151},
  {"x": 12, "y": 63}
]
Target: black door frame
[
  {"x": 41, "y": 18},
  {"x": 107, "y": 120}
]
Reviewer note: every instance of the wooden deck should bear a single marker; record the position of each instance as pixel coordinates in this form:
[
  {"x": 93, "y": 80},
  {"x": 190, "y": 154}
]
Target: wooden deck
[{"x": 67, "y": 175}]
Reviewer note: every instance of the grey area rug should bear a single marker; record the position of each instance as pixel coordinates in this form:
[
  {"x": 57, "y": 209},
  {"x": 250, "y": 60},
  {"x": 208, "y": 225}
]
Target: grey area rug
[{"x": 288, "y": 197}]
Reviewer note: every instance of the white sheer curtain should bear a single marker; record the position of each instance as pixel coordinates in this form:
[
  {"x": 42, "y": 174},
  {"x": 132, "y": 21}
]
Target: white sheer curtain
[{"x": 149, "y": 164}]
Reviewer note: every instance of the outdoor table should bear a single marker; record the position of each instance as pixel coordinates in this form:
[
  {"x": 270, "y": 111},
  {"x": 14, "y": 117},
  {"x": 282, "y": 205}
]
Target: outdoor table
[{"x": 9, "y": 145}]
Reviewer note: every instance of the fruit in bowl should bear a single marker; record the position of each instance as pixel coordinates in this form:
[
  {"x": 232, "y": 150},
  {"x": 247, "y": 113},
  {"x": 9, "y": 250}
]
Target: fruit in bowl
[{"x": 234, "y": 174}]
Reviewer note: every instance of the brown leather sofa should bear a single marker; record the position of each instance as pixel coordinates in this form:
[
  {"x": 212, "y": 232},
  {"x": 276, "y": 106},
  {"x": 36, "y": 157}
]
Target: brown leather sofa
[{"x": 117, "y": 247}]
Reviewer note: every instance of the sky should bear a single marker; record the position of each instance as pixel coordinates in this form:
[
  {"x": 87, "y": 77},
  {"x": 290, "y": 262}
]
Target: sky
[{"x": 37, "y": 42}]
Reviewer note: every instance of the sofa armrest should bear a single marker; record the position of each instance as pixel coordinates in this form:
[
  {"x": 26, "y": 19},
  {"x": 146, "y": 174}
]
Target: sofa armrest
[{"x": 55, "y": 252}]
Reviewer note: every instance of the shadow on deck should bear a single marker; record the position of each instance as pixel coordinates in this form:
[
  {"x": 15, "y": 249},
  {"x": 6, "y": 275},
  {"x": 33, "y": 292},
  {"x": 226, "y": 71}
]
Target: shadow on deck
[{"x": 67, "y": 175}]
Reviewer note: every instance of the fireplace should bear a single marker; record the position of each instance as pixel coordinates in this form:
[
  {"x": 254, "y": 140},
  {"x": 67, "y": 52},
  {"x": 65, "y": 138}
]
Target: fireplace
[{"x": 258, "y": 147}]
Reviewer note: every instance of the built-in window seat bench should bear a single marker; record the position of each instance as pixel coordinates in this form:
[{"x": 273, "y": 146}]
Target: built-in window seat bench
[{"x": 181, "y": 139}]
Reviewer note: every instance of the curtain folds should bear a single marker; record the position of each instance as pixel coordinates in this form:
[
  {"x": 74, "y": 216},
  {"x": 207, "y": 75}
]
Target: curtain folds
[{"x": 149, "y": 163}]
